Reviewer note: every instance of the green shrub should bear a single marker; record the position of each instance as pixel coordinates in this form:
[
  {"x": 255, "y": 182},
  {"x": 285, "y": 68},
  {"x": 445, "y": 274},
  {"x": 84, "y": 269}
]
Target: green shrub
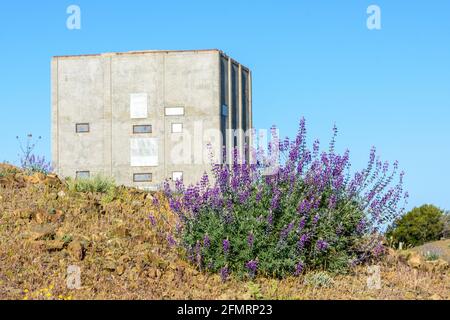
[
  {"x": 432, "y": 255},
  {"x": 319, "y": 280},
  {"x": 420, "y": 225},
  {"x": 446, "y": 222},
  {"x": 97, "y": 183}
]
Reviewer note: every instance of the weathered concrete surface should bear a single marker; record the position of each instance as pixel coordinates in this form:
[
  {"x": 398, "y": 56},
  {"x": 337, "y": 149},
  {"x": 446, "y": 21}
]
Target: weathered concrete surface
[{"x": 96, "y": 89}]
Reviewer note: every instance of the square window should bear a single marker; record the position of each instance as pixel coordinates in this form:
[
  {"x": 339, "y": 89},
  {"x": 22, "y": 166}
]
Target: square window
[
  {"x": 83, "y": 175},
  {"x": 142, "y": 177},
  {"x": 82, "y": 127},
  {"x": 177, "y": 175},
  {"x": 175, "y": 111},
  {"x": 142, "y": 129},
  {"x": 177, "y": 127}
]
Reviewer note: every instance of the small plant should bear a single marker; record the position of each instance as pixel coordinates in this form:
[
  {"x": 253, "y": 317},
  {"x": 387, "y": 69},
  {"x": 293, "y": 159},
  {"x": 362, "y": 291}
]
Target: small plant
[
  {"x": 319, "y": 280},
  {"x": 7, "y": 170},
  {"x": 433, "y": 254},
  {"x": 98, "y": 183},
  {"x": 30, "y": 162},
  {"x": 420, "y": 225},
  {"x": 255, "y": 291},
  {"x": 67, "y": 238}
]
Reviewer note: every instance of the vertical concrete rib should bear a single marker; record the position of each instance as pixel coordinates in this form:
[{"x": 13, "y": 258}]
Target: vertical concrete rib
[
  {"x": 250, "y": 118},
  {"x": 240, "y": 128},
  {"x": 230, "y": 132},
  {"x": 54, "y": 113},
  {"x": 107, "y": 115}
]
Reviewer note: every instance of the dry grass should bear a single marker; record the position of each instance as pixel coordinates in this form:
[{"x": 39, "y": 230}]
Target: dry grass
[{"x": 110, "y": 239}]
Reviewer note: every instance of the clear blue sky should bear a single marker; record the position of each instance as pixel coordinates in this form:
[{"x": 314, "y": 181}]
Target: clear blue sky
[{"x": 389, "y": 88}]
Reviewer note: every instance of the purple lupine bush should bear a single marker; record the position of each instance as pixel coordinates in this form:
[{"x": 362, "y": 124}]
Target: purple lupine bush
[
  {"x": 310, "y": 213},
  {"x": 30, "y": 162}
]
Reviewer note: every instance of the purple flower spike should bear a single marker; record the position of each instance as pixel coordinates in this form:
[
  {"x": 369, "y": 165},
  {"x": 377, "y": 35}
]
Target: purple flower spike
[
  {"x": 226, "y": 246},
  {"x": 152, "y": 219},
  {"x": 298, "y": 268},
  {"x": 252, "y": 266},
  {"x": 224, "y": 273},
  {"x": 322, "y": 245},
  {"x": 206, "y": 241},
  {"x": 250, "y": 239}
]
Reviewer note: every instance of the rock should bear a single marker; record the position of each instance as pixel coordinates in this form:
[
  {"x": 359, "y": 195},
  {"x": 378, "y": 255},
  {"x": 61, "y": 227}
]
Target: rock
[
  {"x": 52, "y": 215},
  {"x": 53, "y": 196},
  {"x": 42, "y": 232},
  {"x": 136, "y": 204},
  {"x": 415, "y": 260},
  {"x": 121, "y": 232},
  {"x": 40, "y": 216},
  {"x": 76, "y": 250},
  {"x": 54, "y": 245},
  {"x": 52, "y": 180},
  {"x": 109, "y": 265},
  {"x": 61, "y": 194},
  {"x": 124, "y": 259},
  {"x": 435, "y": 297},
  {"x": 25, "y": 214},
  {"x": 439, "y": 265},
  {"x": 36, "y": 244},
  {"x": 120, "y": 269},
  {"x": 36, "y": 178}
]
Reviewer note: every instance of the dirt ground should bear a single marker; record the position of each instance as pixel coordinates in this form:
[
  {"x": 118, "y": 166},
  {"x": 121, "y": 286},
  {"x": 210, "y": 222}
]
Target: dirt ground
[{"x": 47, "y": 230}]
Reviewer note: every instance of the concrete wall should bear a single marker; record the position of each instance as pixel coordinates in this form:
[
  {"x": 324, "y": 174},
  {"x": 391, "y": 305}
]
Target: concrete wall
[{"x": 96, "y": 90}]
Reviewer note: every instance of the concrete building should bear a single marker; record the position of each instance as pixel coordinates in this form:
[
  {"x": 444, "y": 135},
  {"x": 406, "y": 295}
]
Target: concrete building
[{"x": 144, "y": 117}]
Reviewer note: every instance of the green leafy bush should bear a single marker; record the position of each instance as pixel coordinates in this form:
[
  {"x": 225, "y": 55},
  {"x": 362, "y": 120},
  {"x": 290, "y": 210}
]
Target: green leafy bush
[
  {"x": 420, "y": 225},
  {"x": 97, "y": 183},
  {"x": 446, "y": 222}
]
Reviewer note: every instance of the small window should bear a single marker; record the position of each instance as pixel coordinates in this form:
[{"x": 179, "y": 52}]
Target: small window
[
  {"x": 225, "y": 110},
  {"x": 177, "y": 175},
  {"x": 177, "y": 127},
  {"x": 142, "y": 177},
  {"x": 83, "y": 174},
  {"x": 82, "y": 127},
  {"x": 175, "y": 111},
  {"x": 142, "y": 129}
]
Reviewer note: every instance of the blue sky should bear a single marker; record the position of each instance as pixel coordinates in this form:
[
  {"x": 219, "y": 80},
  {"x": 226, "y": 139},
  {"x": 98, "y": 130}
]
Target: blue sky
[{"x": 389, "y": 88}]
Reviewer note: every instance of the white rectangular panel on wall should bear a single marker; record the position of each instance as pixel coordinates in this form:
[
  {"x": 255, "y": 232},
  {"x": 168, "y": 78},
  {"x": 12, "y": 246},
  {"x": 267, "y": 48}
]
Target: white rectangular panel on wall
[
  {"x": 175, "y": 111},
  {"x": 138, "y": 106},
  {"x": 144, "y": 152}
]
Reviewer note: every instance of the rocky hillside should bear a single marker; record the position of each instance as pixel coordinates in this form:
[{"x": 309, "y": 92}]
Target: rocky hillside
[{"x": 45, "y": 228}]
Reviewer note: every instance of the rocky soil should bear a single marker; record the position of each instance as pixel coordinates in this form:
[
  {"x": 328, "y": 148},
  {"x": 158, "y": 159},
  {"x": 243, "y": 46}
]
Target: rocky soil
[{"x": 45, "y": 229}]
